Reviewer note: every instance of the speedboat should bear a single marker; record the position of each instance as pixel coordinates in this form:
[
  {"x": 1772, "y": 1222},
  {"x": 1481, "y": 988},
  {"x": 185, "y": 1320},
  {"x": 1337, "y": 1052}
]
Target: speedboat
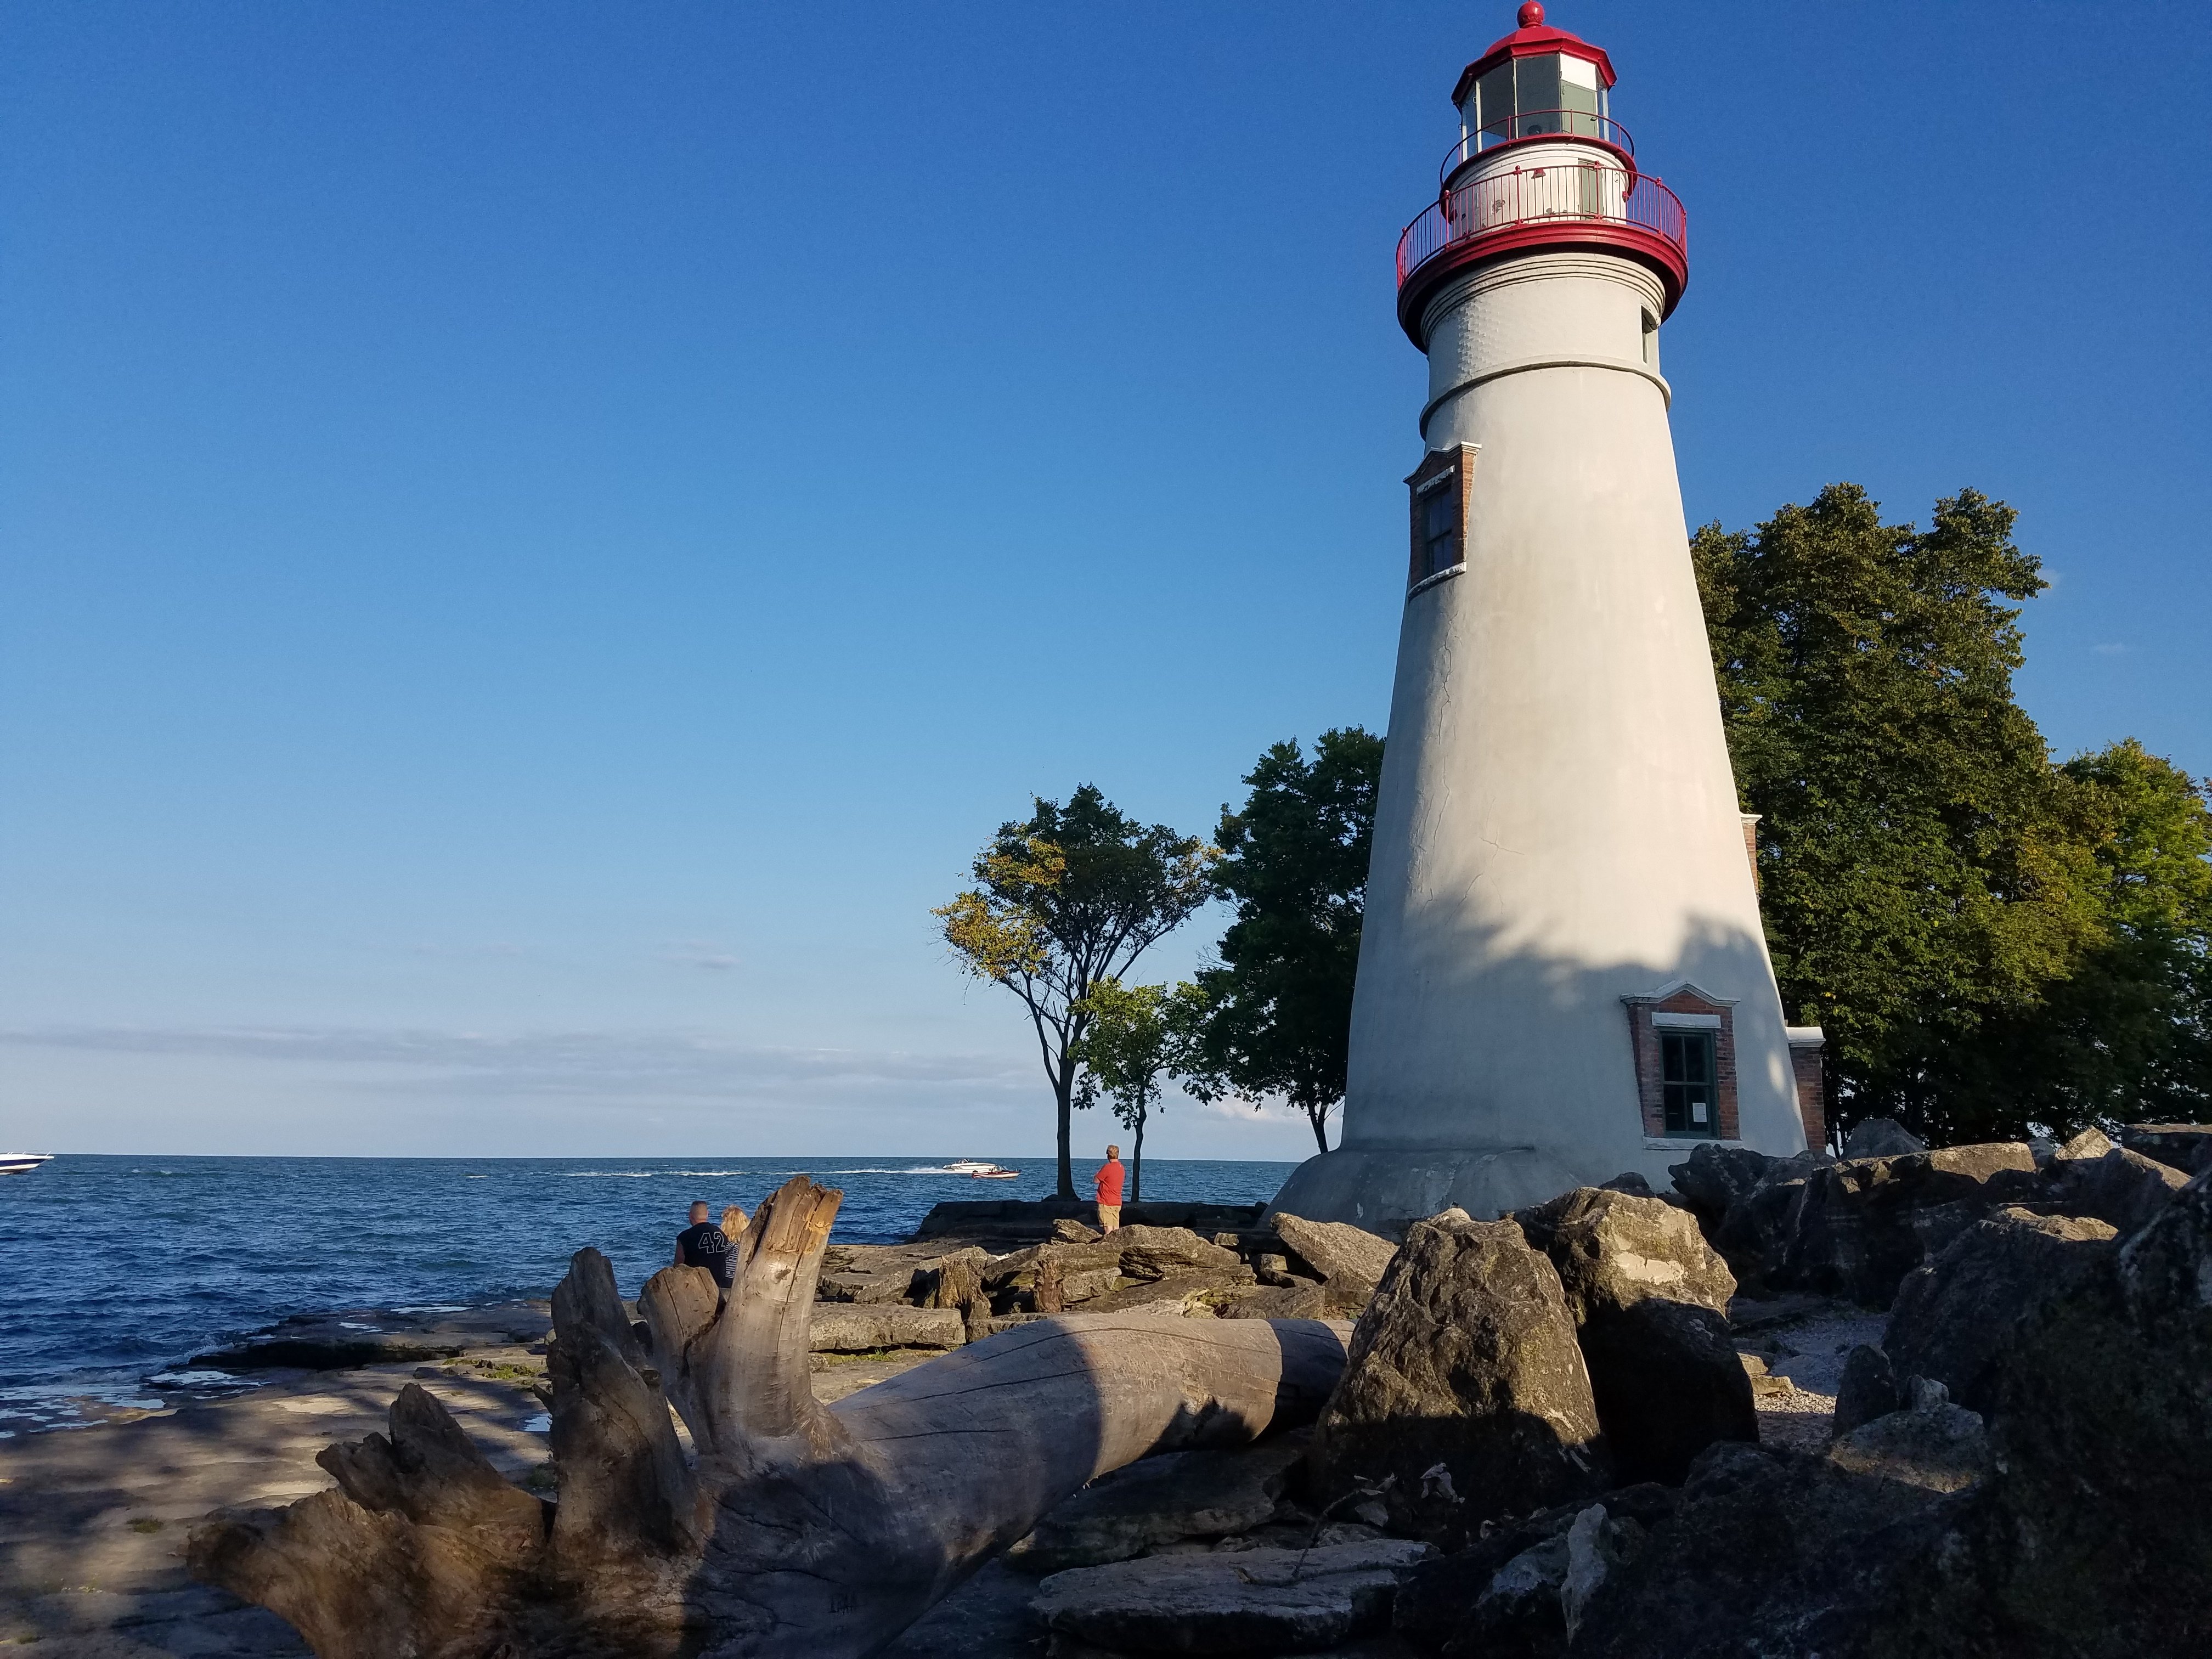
[
  {"x": 23, "y": 1163},
  {"x": 978, "y": 1169}
]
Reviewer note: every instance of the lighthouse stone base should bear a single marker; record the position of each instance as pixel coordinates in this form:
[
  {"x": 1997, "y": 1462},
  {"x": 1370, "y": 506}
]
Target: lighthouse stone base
[{"x": 1382, "y": 1188}]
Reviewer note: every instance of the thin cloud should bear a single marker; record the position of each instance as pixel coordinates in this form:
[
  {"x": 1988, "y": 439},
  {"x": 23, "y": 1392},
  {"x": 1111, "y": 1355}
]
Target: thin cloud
[
  {"x": 565, "y": 1063},
  {"x": 697, "y": 953}
]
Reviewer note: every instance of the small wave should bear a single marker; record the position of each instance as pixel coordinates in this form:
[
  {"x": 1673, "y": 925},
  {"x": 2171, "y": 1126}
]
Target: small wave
[
  {"x": 913, "y": 1170},
  {"x": 652, "y": 1174}
]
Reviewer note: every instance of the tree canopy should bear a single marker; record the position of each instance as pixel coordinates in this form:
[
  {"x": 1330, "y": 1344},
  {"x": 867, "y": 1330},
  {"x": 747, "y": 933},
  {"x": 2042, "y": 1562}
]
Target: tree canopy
[
  {"x": 1137, "y": 1033},
  {"x": 1067, "y": 898},
  {"x": 1989, "y": 939},
  {"x": 1277, "y": 1008}
]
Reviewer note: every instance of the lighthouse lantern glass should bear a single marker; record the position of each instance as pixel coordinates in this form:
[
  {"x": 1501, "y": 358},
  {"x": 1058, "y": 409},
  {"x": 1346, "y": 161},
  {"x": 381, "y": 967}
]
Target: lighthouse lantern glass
[{"x": 1534, "y": 97}]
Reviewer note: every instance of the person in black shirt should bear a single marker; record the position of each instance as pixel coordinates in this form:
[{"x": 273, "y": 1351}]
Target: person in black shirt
[{"x": 702, "y": 1244}]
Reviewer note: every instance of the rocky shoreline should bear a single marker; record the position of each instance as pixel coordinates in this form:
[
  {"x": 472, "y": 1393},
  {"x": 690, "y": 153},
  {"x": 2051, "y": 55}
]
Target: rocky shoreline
[{"x": 1838, "y": 1370}]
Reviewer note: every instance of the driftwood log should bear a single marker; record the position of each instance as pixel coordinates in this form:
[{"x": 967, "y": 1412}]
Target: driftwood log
[{"x": 792, "y": 1528}]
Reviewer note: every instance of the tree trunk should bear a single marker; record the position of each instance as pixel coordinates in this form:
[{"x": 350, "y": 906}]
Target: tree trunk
[
  {"x": 1320, "y": 1121},
  {"x": 798, "y": 1529},
  {"x": 1136, "y": 1162},
  {"x": 1063, "y": 1094}
]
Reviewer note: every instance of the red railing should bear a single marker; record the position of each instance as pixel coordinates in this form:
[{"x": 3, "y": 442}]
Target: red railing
[
  {"x": 1537, "y": 123},
  {"x": 1577, "y": 192}
]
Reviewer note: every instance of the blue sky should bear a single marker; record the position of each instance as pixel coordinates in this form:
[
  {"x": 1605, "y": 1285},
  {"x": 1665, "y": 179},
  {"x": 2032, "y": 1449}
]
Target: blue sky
[{"x": 536, "y": 541}]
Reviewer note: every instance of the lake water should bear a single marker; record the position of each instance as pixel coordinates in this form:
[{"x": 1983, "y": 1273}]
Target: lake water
[{"x": 113, "y": 1271}]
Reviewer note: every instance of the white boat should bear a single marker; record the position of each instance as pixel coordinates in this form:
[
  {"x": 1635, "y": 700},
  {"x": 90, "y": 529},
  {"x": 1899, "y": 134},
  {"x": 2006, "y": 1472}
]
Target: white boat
[
  {"x": 23, "y": 1163},
  {"x": 978, "y": 1169}
]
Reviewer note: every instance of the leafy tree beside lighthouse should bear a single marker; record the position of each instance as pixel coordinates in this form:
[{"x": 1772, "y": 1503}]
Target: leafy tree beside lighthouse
[{"x": 1062, "y": 901}]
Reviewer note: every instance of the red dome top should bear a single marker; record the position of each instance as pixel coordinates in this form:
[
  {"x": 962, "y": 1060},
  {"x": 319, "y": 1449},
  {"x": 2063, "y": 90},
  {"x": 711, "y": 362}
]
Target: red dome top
[{"x": 1531, "y": 40}]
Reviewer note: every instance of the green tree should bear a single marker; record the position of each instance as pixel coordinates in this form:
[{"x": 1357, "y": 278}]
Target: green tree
[
  {"x": 1276, "y": 1015},
  {"x": 1934, "y": 888},
  {"x": 1138, "y": 1033},
  {"x": 1072, "y": 896},
  {"x": 2127, "y": 1034}
]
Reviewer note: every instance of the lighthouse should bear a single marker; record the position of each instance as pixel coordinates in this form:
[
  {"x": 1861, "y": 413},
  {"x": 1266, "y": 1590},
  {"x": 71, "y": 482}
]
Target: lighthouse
[{"x": 1562, "y": 975}]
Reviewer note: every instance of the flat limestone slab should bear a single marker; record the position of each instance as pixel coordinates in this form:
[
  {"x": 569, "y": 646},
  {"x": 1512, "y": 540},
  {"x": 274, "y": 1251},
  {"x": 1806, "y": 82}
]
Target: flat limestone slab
[
  {"x": 867, "y": 1328},
  {"x": 381, "y": 1336}
]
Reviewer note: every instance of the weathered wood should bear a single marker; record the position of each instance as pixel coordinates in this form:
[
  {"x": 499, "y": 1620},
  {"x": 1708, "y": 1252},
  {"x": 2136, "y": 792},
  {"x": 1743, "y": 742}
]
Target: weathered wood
[{"x": 800, "y": 1530}]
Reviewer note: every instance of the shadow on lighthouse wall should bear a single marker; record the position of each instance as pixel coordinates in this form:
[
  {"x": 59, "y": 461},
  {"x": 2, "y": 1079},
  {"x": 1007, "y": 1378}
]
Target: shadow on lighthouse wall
[{"x": 1488, "y": 1074}]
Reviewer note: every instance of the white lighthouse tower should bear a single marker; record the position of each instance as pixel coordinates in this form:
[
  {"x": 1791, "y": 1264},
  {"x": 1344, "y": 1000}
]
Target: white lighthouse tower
[{"x": 1562, "y": 975}]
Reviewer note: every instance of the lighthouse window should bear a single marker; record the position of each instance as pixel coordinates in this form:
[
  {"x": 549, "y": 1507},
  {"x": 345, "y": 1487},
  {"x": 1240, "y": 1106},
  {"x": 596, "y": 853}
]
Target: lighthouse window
[
  {"x": 1493, "y": 112},
  {"x": 1578, "y": 93},
  {"x": 1687, "y": 1076},
  {"x": 1650, "y": 341},
  {"x": 1439, "y": 550},
  {"x": 1536, "y": 95}
]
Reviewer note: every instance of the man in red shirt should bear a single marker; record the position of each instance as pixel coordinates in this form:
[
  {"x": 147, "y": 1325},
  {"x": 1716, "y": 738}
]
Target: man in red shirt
[{"x": 1109, "y": 1191}]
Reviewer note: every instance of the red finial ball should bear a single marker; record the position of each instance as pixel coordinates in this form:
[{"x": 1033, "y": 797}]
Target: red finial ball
[{"x": 1530, "y": 14}]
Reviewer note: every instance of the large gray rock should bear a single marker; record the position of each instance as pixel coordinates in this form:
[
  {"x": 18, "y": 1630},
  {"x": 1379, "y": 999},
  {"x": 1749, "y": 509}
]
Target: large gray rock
[
  {"x": 1254, "y": 1602},
  {"x": 1667, "y": 1383},
  {"x": 1156, "y": 1252},
  {"x": 1501, "y": 1594},
  {"x": 1303, "y": 1300},
  {"x": 1955, "y": 1315},
  {"x": 2082, "y": 1534},
  {"x": 1464, "y": 1395},
  {"x": 1787, "y": 1554},
  {"x": 2103, "y": 1425},
  {"x": 1161, "y": 1500},
  {"x": 2091, "y": 1143},
  {"x": 868, "y": 1274},
  {"x": 1058, "y": 1288},
  {"x": 1867, "y": 1390},
  {"x": 1596, "y": 1544},
  {"x": 1518, "y": 1611},
  {"x": 2121, "y": 1188},
  {"x": 1756, "y": 1231},
  {"x": 862, "y": 1327},
  {"x": 1343, "y": 1255},
  {"x": 1932, "y": 1443},
  {"x": 1204, "y": 1293},
  {"x": 1614, "y": 1249},
  {"x": 1854, "y": 1233},
  {"x": 1882, "y": 1137},
  {"x": 1714, "y": 1178},
  {"x": 2185, "y": 1147},
  {"x": 1054, "y": 1277},
  {"x": 1649, "y": 1298}
]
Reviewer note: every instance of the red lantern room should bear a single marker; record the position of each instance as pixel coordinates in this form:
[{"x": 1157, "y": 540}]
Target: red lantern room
[
  {"x": 1537, "y": 82},
  {"x": 1540, "y": 164}
]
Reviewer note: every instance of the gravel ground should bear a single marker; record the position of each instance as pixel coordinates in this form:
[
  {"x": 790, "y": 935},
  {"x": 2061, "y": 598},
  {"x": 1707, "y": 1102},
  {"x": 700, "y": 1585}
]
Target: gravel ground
[{"x": 1801, "y": 1343}]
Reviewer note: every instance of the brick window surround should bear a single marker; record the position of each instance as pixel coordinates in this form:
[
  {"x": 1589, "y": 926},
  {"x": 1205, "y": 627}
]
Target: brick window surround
[
  {"x": 1806, "y": 1043},
  {"x": 1688, "y": 1007},
  {"x": 1458, "y": 460}
]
